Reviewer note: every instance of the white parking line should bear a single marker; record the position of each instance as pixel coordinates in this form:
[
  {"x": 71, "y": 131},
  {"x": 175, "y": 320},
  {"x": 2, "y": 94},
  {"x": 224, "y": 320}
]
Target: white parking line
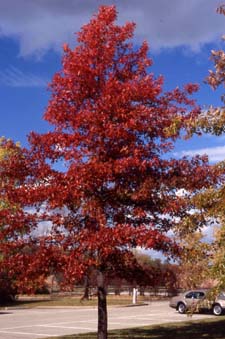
[
  {"x": 68, "y": 322},
  {"x": 128, "y": 317},
  {"x": 15, "y": 327},
  {"x": 138, "y": 316},
  {"x": 85, "y": 321},
  {"x": 73, "y": 327},
  {"x": 27, "y": 333}
]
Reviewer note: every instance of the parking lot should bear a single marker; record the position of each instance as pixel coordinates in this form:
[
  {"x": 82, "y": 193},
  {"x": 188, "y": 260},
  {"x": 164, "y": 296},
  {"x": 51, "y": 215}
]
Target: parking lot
[{"x": 41, "y": 322}]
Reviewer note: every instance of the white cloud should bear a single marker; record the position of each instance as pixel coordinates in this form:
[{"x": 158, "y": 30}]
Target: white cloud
[
  {"x": 40, "y": 25},
  {"x": 152, "y": 253},
  {"x": 44, "y": 229},
  {"x": 182, "y": 192},
  {"x": 208, "y": 231},
  {"x": 214, "y": 153},
  {"x": 14, "y": 77}
]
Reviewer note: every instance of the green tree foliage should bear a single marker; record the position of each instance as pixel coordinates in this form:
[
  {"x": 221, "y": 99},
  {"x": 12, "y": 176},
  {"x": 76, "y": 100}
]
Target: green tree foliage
[
  {"x": 194, "y": 261},
  {"x": 212, "y": 120},
  {"x": 211, "y": 202},
  {"x": 8, "y": 152}
]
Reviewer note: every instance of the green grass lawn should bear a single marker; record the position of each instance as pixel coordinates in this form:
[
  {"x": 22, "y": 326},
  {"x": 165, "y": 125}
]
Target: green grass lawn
[{"x": 204, "y": 329}]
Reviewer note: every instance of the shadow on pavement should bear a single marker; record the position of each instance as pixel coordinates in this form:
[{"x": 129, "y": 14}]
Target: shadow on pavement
[{"x": 191, "y": 330}]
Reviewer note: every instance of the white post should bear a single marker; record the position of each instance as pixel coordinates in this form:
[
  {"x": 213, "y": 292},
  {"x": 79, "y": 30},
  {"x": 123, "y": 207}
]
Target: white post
[{"x": 134, "y": 296}]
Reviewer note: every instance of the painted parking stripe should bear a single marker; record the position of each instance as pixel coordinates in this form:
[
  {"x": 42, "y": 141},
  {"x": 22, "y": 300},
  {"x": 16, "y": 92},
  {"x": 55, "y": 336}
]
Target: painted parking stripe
[
  {"x": 71, "y": 327},
  {"x": 27, "y": 333}
]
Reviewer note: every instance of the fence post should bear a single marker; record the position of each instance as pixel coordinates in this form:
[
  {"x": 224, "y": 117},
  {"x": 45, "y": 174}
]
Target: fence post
[{"x": 134, "y": 296}]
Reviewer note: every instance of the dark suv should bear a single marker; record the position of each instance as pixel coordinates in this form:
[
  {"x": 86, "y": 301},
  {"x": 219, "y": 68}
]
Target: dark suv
[{"x": 196, "y": 300}]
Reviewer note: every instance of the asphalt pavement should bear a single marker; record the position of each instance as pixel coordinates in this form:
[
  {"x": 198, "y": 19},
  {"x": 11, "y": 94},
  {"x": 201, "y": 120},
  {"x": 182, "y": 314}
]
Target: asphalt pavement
[{"x": 44, "y": 322}]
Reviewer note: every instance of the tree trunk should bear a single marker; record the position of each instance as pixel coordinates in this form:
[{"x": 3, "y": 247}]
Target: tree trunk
[
  {"x": 86, "y": 288},
  {"x": 102, "y": 307}
]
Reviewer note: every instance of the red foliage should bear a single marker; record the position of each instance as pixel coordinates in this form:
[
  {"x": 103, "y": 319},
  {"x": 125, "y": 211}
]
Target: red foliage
[
  {"x": 104, "y": 175},
  {"x": 111, "y": 120}
]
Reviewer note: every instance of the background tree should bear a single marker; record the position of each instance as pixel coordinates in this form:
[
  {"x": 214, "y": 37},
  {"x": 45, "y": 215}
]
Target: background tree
[
  {"x": 12, "y": 217},
  {"x": 212, "y": 200},
  {"x": 212, "y": 120},
  {"x": 22, "y": 264},
  {"x": 104, "y": 176},
  {"x": 7, "y": 288},
  {"x": 157, "y": 274},
  {"x": 194, "y": 261}
]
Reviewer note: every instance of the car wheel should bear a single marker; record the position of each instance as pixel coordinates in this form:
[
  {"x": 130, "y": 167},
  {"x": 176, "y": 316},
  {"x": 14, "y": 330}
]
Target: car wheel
[
  {"x": 217, "y": 309},
  {"x": 181, "y": 308}
]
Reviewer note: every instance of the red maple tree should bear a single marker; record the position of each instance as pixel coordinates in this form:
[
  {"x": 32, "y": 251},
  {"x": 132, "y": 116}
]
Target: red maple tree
[{"x": 104, "y": 176}]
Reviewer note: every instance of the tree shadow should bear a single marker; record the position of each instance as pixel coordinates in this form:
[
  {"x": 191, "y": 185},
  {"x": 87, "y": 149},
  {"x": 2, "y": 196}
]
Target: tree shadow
[
  {"x": 204, "y": 329},
  {"x": 190, "y": 330},
  {"x": 23, "y": 303}
]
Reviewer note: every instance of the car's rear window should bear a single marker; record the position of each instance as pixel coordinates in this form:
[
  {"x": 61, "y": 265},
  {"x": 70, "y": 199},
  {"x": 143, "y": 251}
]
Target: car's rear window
[{"x": 222, "y": 295}]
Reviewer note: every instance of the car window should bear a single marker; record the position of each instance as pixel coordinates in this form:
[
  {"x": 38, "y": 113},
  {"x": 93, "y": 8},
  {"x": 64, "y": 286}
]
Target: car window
[
  {"x": 189, "y": 295},
  {"x": 195, "y": 295},
  {"x": 221, "y": 295},
  {"x": 199, "y": 295}
]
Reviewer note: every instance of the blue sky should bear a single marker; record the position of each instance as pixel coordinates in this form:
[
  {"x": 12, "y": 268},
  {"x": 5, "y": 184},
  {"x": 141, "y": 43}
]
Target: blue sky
[{"x": 181, "y": 34}]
